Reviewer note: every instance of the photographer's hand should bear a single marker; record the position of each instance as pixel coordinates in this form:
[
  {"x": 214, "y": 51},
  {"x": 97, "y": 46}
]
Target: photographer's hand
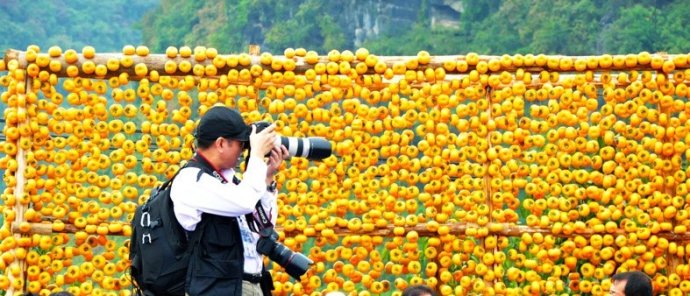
[
  {"x": 278, "y": 154},
  {"x": 262, "y": 142}
]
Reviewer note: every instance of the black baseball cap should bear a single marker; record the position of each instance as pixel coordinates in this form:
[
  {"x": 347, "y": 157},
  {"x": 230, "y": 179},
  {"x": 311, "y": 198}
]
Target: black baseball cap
[{"x": 221, "y": 121}]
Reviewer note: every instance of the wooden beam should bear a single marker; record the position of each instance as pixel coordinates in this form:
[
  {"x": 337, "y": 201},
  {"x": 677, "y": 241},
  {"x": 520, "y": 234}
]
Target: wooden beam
[
  {"x": 157, "y": 62},
  {"x": 46, "y": 228},
  {"x": 459, "y": 228}
]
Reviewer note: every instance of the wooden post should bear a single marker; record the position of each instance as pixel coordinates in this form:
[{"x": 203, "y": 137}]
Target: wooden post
[
  {"x": 487, "y": 186},
  {"x": 19, "y": 207},
  {"x": 254, "y": 49}
]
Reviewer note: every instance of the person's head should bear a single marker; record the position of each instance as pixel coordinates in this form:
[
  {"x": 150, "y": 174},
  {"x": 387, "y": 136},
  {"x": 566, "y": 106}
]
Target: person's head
[
  {"x": 61, "y": 293},
  {"x": 418, "y": 290},
  {"x": 631, "y": 283},
  {"x": 221, "y": 136}
]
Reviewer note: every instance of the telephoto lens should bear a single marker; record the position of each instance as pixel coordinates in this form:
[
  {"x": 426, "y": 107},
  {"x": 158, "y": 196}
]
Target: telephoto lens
[
  {"x": 312, "y": 148},
  {"x": 295, "y": 264}
]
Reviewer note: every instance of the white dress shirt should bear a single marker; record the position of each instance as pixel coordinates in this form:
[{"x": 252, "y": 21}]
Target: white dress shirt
[{"x": 192, "y": 198}]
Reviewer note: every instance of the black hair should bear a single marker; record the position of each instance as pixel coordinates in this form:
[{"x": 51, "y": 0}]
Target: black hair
[
  {"x": 204, "y": 143},
  {"x": 61, "y": 293},
  {"x": 418, "y": 290},
  {"x": 637, "y": 283}
]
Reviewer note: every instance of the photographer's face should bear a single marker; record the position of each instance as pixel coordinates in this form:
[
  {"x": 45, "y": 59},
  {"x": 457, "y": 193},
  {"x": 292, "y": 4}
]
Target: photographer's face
[
  {"x": 231, "y": 151},
  {"x": 618, "y": 288}
]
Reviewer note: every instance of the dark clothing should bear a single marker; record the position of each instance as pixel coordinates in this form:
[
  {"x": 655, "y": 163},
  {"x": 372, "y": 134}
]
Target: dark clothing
[{"x": 216, "y": 264}]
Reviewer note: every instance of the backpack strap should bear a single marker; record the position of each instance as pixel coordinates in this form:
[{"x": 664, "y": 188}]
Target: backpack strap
[
  {"x": 162, "y": 187},
  {"x": 194, "y": 237},
  {"x": 200, "y": 162}
]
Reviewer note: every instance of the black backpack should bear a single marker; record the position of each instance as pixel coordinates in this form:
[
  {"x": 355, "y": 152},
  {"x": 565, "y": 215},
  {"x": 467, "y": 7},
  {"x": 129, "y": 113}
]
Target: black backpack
[{"x": 158, "y": 249}]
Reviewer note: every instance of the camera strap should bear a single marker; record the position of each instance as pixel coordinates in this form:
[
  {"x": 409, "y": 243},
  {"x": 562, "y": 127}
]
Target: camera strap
[
  {"x": 200, "y": 158},
  {"x": 259, "y": 220}
]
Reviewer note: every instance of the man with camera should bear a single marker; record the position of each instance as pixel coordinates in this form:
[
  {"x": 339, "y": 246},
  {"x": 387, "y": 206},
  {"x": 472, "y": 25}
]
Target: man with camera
[{"x": 213, "y": 205}]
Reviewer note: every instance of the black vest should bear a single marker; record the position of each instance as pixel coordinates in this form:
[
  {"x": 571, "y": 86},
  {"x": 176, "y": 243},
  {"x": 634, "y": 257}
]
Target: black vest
[{"x": 217, "y": 263}]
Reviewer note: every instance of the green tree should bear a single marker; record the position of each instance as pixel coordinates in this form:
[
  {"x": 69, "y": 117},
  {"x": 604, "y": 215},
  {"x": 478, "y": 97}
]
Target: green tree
[
  {"x": 475, "y": 12},
  {"x": 673, "y": 37},
  {"x": 106, "y": 25},
  {"x": 505, "y": 22},
  {"x": 170, "y": 23},
  {"x": 304, "y": 29},
  {"x": 634, "y": 31}
]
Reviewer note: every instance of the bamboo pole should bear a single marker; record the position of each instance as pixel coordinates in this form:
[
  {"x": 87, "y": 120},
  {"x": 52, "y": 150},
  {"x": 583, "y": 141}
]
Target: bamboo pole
[
  {"x": 157, "y": 62},
  {"x": 385, "y": 83},
  {"x": 456, "y": 228},
  {"x": 487, "y": 187},
  {"x": 19, "y": 207},
  {"x": 47, "y": 229}
]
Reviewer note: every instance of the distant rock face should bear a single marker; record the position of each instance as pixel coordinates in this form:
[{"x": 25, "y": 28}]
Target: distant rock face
[
  {"x": 445, "y": 13},
  {"x": 366, "y": 19}
]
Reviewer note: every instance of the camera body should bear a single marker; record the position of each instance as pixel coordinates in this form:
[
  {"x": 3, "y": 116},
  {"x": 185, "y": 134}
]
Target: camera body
[
  {"x": 295, "y": 263},
  {"x": 312, "y": 148}
]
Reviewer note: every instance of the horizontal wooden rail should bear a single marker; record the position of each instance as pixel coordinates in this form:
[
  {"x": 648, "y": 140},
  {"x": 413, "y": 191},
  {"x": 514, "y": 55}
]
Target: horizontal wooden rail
[
  {"x": 423, "y": 229},
  {"x": 45, "y": 228},
  {"x": 157, "y": 62}
]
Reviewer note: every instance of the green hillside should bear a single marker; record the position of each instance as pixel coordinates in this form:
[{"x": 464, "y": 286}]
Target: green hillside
[
  {"x": 106, "y": 25},
  {"x": 573, "y": 27}
]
